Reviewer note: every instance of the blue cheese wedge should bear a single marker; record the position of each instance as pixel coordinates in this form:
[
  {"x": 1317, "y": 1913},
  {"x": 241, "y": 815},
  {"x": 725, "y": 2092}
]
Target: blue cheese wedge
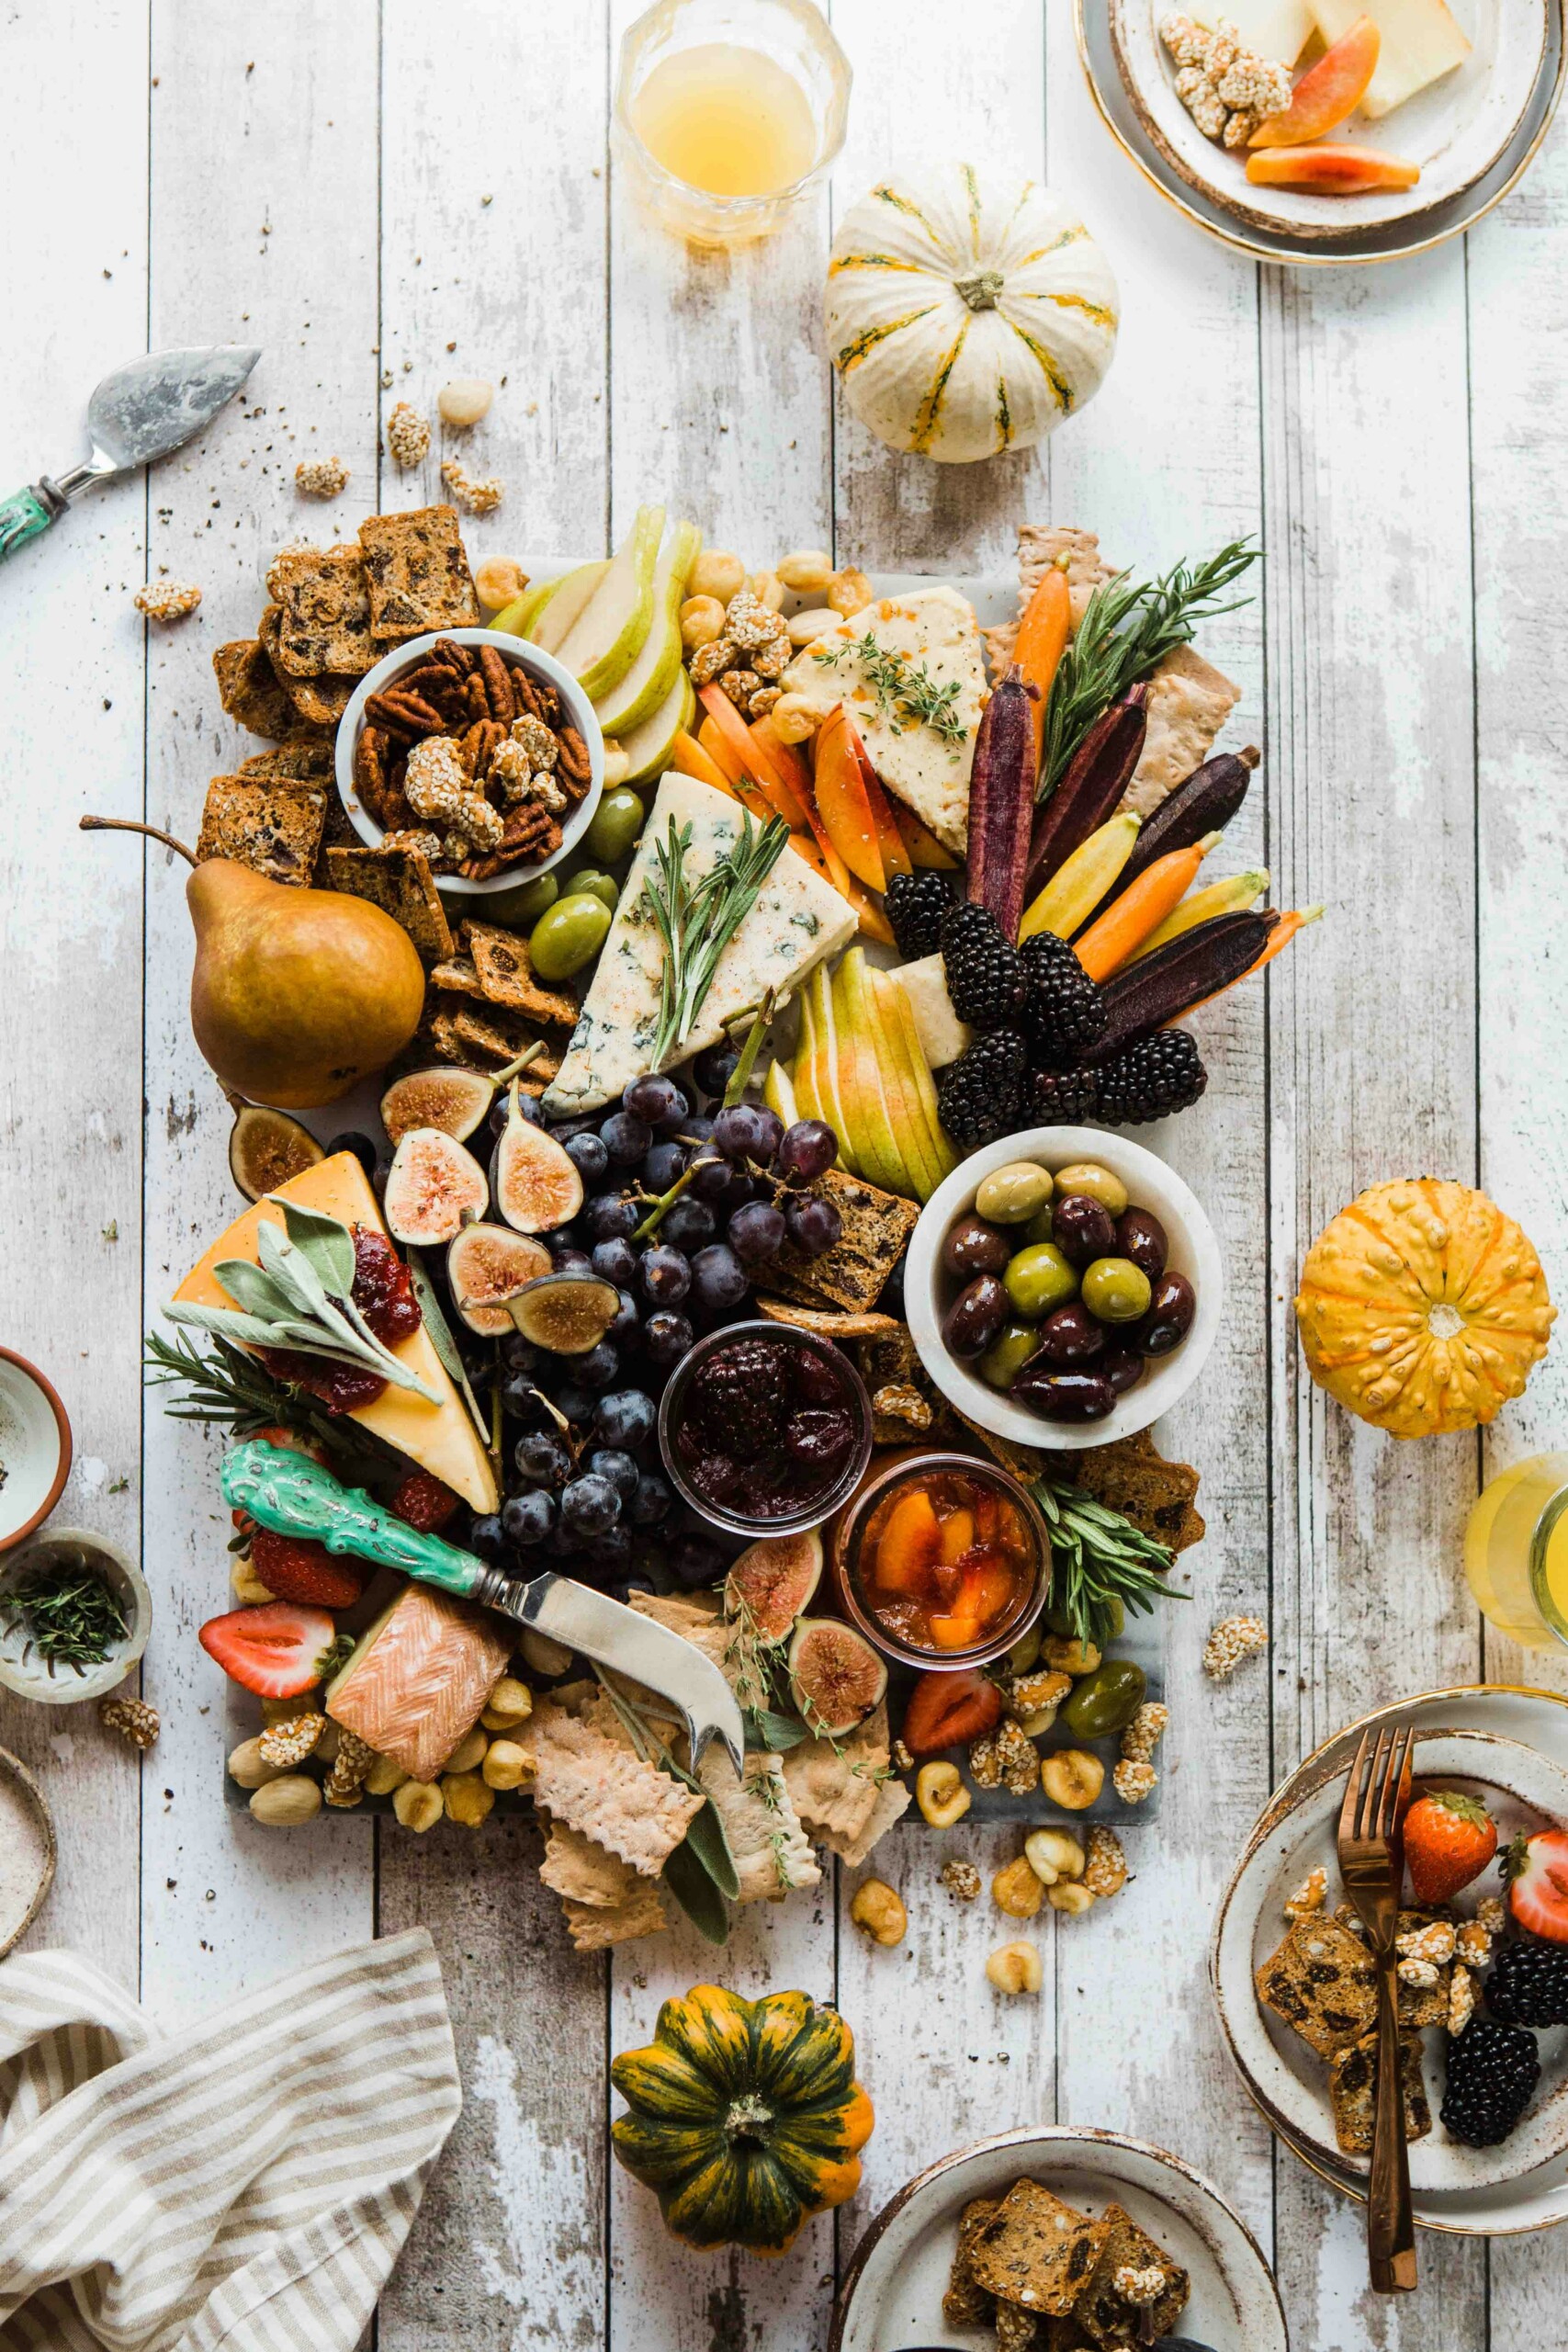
[
  {"x": 909, "y": 670},
  {"x": 797, "y": 920}
]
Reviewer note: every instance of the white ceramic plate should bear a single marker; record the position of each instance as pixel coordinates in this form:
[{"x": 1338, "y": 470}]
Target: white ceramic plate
[
  {"x": 893, "y": 2290},
  {"x": 1194, "y": 1251},
  {"x": 1523, "y": 1789},
  {"x": 1359, "y": 246}
]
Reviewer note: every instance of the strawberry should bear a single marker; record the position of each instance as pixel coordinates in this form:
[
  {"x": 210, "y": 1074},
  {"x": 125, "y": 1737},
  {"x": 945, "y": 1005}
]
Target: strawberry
[
  {"x": 292, "y": 1567},
  {"x": 1448, "y": 1841},
  {"x": 1536, "y": 1870},
  {"x": 946, "y": 1709},
  {"x": 278, "y": 1650},
  {"x": 424, "y": 1502}
]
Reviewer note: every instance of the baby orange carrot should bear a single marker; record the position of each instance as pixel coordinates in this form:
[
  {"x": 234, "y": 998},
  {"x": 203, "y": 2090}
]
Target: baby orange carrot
[
  {"x": 1284, "y": 931},
  {"x": 1141, "y": 907},
  {"x": 1043, "y": 636}
]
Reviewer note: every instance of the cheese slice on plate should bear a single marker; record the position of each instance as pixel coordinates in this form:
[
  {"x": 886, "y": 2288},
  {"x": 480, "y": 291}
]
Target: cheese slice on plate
[
  {"x": 1420, "y": 43},
  {"x": 859, "y": 663},
  {"x": 440, "y": 1438},
  {"x": 1275, "y": 29},
  {"x": 797, "y": 920}
]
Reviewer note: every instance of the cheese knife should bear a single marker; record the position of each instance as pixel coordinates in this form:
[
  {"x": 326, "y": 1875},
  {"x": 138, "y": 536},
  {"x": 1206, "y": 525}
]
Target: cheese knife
[
  {"x": 293, "y": 1496},
  {"x": 139, "y": 413}
]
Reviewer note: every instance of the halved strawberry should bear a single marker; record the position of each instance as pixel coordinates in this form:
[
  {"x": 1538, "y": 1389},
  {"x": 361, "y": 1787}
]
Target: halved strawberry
[
  {"x": 1449, "y": 1839},
  {"x": 278, "y": 1650},
  {"x": 293, "y": 1567},
  {"x": 424, "y": 1502},
  {"x": 1536, "y": 1870},
  {"x": 946, "y": 1709}
]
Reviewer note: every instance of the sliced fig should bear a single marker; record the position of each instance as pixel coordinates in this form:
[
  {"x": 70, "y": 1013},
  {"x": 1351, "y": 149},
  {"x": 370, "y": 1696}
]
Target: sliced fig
[
  {"x": 267, "y": 1147},
  {"x": 537, "y": 1185},
  {"x": 567, "y": 1314},
  {"x": 835, "y": 1675},
  {"x": 434, "y": 1189},
  {"x": 486, "y": 1266},
  {"x": 456, "y": 1101},
  {"x": 773, "y": 1581}
]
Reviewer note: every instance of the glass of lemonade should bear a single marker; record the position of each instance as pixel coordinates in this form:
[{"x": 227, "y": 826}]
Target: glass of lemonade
[
  {"x": 730, "y": 110},
  {"x": 1516, "y": 1551}
]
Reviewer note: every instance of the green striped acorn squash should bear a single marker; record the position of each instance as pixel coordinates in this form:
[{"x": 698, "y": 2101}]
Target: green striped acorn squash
[{"x": 745, "y": 2116}]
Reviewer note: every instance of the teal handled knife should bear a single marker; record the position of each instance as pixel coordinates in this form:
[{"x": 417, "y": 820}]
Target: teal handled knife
[
  {"x": 293, "y": 1496},
  {"x": 141, "y": 412}
]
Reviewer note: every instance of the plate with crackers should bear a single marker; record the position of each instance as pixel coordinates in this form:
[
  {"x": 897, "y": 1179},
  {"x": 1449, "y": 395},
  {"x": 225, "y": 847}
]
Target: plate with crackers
[{"x": 1054, "y": 2236}]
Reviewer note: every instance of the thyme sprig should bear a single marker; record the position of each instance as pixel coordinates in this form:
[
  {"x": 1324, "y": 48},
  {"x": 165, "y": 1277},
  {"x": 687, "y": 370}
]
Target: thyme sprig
[
  {"x": 68, "y": 1615},
  {"x": 1098, "y": 1559},
  {"x": 1128, "y": 628},
  {"x": 696, "y": 921},
  {"x": 906, "y": 695}
]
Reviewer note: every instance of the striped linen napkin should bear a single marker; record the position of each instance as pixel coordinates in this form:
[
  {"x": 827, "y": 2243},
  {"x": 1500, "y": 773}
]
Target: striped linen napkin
[{"x": 246, "y": 2184}]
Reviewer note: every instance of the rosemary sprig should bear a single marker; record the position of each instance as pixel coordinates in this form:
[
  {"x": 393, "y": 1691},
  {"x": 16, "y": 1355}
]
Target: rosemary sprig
[
  {"x": 1098, "y": 1557},
  {"x": 229, "y": 1389},
  {"x": 1128, "y": 628},
  {"x": 68, "y": 1615},
  {"x": 697, "y": 922},
  {"x": 907, "y": 693}
]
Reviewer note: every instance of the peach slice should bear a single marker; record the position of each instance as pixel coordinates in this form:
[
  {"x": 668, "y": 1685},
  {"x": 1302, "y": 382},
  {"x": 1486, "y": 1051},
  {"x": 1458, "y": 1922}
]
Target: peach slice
[
  {"x": 790, "y": 775},
  {"x": 909, "y": 1544},
  {"x": 1330, "y": 171},
  {"x": 957, "y": 1536},
  {"x": 1327, "y": 92},
  {"x": 841, "y": 801},
  {"x": 687, "y": 757},
  {"x": 742, "y": 785},
  {"x": 922, "y": 845},
  {"x": 896, "y": 858},
  {"x": 728, "y": 738}
]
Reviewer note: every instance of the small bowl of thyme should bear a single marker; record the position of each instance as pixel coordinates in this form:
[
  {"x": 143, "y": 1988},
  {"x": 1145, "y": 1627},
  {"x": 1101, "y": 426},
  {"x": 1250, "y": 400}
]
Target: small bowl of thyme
[{"x": 74, "y": 1617}]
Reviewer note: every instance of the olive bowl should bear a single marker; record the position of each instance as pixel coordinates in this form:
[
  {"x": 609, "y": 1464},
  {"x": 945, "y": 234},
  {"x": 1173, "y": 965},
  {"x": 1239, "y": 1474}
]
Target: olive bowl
[{"x": 1194, "y": 1250}]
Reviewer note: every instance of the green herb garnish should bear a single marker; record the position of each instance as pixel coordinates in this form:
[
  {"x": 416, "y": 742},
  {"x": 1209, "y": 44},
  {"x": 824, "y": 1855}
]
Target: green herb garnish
[
  {"x": 907, "y": 693},
  {"x": 230, "y": 1390},
  {"x": 697, "y": 922},
  {"x": 67, "y": 1615},
  {"x": 1099, "y": 1557},
  {"x": 1128, "y": 628}
]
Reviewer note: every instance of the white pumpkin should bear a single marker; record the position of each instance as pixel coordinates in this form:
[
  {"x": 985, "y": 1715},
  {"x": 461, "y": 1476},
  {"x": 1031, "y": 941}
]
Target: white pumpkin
[{"x": 968, "y": 312}]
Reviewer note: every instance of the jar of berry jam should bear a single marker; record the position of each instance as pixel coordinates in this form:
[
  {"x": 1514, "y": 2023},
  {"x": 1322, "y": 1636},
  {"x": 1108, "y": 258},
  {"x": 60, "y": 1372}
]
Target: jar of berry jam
[
  {"x": 941, "y": 1561},
  {"x": 765, "y": 1429}
]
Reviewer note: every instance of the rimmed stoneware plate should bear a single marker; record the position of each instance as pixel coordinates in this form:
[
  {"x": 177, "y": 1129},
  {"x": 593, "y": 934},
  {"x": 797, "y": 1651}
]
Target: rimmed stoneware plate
[
  {"x": 1358, "y": 248},
  {"x": 1456, "y": 129},
  {"x": 893, "y": 2290},
  {"x": 1522, "y": 1788}
]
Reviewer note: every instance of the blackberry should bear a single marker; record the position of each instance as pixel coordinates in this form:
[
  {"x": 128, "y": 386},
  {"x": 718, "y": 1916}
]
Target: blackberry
[
  {"x": 976, "y": 1096},
  {"x": 1493, "y": 2069},
  {"x": 1158, "y": 1075},
  {"x": 1063, "y": 1012},
  {"x": 985, "y": 978},
  {"x": 1061, "y": 1098},
  {"x": 740, "y": 1399},
  {"x": 1529, "y": 1985},
  {"x": 915, "y": 906}
]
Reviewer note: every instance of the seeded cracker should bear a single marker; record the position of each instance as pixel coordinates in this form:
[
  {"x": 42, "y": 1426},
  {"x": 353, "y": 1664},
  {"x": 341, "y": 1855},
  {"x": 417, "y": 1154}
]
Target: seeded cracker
[
  {"x": 325, "y": 623},
  {"x": 418, "y": 573},
  {"x": 275, "y": 829},
  {"x": 1103, "y": 2312},
  {"x": 299, "y": 762},
  {"x": 877, "y": 1225},
  {"x": 1035, "y": 2250},
  {"x": 506, "y": 975},
  {"x": 315, "y": 702},
  {"x": 399, "y": 881},
  {"x": 249, "y": 690}
]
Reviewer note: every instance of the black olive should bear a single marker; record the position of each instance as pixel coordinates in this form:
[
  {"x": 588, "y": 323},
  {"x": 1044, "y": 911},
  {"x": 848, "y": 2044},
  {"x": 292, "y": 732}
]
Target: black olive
[
  {"x": 1064, "y": 1396},
  {"x": 976, "y": 1317},
  {"x": 1173, "y": 1305},
  {"x": 1071, "y": 1335},
  {"x": 1082, "y": 1229},
  {"x": 973, "y": 1247},
  {"x": 1141, "y": 1237},
  {"x": 1123, "y": 1367}
]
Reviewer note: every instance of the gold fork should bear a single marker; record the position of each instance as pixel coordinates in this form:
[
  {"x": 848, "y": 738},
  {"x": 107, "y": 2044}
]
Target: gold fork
[{"x": 1372, "y": 1863}]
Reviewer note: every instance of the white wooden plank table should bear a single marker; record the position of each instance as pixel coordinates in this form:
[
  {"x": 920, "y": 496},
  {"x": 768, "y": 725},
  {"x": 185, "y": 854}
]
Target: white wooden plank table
[{"x": 384, "y": 195}]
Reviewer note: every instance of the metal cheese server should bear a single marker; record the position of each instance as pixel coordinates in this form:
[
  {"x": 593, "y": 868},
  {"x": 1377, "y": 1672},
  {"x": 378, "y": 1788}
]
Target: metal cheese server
[
  {"x": 293, "y": 1496},
  {"x": 139, "y": 413}
]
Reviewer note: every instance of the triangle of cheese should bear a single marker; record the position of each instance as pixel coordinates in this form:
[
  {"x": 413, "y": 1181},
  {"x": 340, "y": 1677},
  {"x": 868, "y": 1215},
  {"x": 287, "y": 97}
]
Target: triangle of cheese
[{"x": 440, "y": 1438}]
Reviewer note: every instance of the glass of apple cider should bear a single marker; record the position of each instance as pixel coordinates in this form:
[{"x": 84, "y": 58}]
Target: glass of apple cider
[
  {"x": 729, "y": 111},
  {"x": 1516, "y": 1551}
]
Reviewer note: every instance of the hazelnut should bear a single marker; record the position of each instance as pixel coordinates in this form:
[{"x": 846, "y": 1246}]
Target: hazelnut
[
  {"x": 848, "y": 591},
  {"x": 768, "y": 589},
  {"x": 506, "y": 1765},
  {"x": 1053, "y": 1854},
  {"x": 1071, "y": 1657},
  {"x": 1016, "y": 1890},
  {"x": 617, "y": 765},
  {"x": 419, "y": 1804},
  {"x": 1015, "y": 1968},
  {"x": 498, "y": 582},
  {"x": 1072, "y": 1778},
  {"x": 511, "y": 1702},
  {"x": 702, "y": 622},
  {"x": 717, "y": 573},
  {"x": 807, "y": 571},
  {"x": 384, "y": 1777},
  {"x": 468, "y": 1798},
  {"x": 468, "y": 1754},
  {"x": 244, "y": 1583},
  {"x": 1070, "y": 1896},
  {"x": 545, "y": 1655},
  {"x": 878, "y": 1911},
  {"x": 464, "y": 401},
  {"x": 940, "y": 1794},
  {"x": 795, "y": 718}
]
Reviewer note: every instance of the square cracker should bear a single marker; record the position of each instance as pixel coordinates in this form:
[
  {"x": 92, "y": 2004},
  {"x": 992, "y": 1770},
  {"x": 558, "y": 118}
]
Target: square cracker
[
  {"x": 965, "y": 2303},
  {"x": 305, "y": 763},
  {"x": 249, "y": 689},
  {"x": 417, "y": 571},
  {"x": 324, "y": 614},
  {"x": 1189, "y": 702},
  {"x": 1035, "y": 2250},
  {"x": 1107, "y": 2317},
  {"x": 1321, "y": 1982},
  {"x": 506, "y": 975},
  {"x": 314, "y": 703},
  {"x": 877, "y": 1225},
  {"x": 274, "y": 828},
  {"x": 1353, "y": 2092},
  {"x": 399, "y": 882}
]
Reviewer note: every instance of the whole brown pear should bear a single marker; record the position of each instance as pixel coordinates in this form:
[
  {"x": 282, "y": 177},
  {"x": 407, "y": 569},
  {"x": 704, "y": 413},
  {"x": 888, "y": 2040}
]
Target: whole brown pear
[{"x": 296, "y": 995}]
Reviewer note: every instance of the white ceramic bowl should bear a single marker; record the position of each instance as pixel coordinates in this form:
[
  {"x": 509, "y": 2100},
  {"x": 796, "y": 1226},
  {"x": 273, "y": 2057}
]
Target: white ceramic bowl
[
  {"x": 1194, "y": 1251},
  {"x": 539, "y": 664},
  {"x": 35, "y": 1448},
  {"x": 65, "y": 1687}
]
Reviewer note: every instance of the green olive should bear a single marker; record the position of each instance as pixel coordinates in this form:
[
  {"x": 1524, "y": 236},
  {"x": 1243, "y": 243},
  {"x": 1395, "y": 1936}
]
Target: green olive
[
  {"x": 569, "y": 935},
  {"x": 614, "y": 826},
  {"x": 1105, "y": 1700},
  {"x": 1115, "y": 1290},
  {"x": 1060, "y": 1621},
  {"x": 1024, "y": 1652},
  {"x": 523, "y": 907},
  {"x": 1008, "y": 1354},
  {"x": 1038, "y": 1279},
  {"x": 1088, "y": 1176},
  {"x": 598, "y": 886},
  {"x": 1042, "y": 1226},
  {"x": 1011, "y": 1196}
]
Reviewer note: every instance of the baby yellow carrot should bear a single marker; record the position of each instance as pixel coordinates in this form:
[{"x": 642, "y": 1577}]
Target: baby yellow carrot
[
  {"x": 1231, "y": 896},
  {"x": 1082, "y": 880},
  {"x": 1128, "y": 920},
  {"x": 1284, "y": 931}
]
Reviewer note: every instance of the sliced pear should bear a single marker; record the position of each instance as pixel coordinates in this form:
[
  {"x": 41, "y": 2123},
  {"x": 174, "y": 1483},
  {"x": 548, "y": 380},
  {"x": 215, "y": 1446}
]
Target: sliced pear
[
  {"x": 817, "y": 1066},
  {"x": 941, "y": 1034},
  {"x": 778, "y": 1093},
  {"x": 603, "y": 643},
  {"x": 897, "y": 1088},
  {"x": 647, "y": 683},
  {"x": 927, "y": 1150},
  {"x": 651, "y": 747},
  {"x": 561, "y": 604},
  {"x": 861, "y": 1087}
]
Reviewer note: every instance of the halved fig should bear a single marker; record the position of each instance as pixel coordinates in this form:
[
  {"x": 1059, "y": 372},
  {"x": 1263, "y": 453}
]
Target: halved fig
[
  {"x": 434, "y": 1189},
  {"x": 456, "y": 1101},
  {"x": 567, "y": 1314},
  {"x": 486, "y": 1267},
  {"x": 835, "y": 1675},
  {"x": 773, "y": 1581},
  {"x": 267, "y": 1147},
  {"x": 537, "y": 1185}
]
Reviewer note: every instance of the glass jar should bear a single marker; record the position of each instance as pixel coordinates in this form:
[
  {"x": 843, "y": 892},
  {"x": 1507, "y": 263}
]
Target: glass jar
[
  {"x": 910, "y": 1605},
  {"x": 1516, "y": 1551}
]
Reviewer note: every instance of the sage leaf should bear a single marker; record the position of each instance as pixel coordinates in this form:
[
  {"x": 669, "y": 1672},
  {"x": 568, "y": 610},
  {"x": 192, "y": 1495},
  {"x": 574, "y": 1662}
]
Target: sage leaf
[
  {"x": 292, "y": 1269},
  {"x": 775, "y": 1733},
  {"x": 690, "y": 1884},
  {"x": 705, "y": 1835},
  {"x": 228, "y": 1321},
  {"x": 251, "y": 1289},
  {"x": 441, "y": 1339},
  {"x": 325, "y": 1241}
]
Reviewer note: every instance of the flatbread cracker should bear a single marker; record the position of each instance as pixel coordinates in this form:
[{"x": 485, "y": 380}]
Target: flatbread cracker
[
  {"x": 893, "y": 1801},
  {"x": 274, "y": 828},
  {"x": 1133, "y": 1476},
  {"x": 249, "y": 690},
  {"x": 833, "y": 1782},
  {"x": 1039, "y": 545},
  {"x": 829, "y": 1322},
  {"x": 575, "y": 1868},
  {"x": 457, "y": 977},
  {"x": 417, "y": 572},
  {"x": 876, "y": 1227},
  {"x": 771, "y": 1852},
  {"x": 305, "y": 763},
  {"x": 507, "y": 976},
  {"x": 323, "y": 615},
  {"x": 1189, "y": 702},
  {"x": 399, "y": 882},
  {"x": 585, "y": 1777},
  {"x": 642, "y": 1914}
]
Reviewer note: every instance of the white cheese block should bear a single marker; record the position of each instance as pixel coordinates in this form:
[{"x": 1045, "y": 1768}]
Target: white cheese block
[
  {"x": 797, "y": 920},
  {"x": 1276, "y": 29},
  {"x": 1420, "y": 43},
  {"x": 941, "y": 1034},
  {"x": 928, "y": 771}
]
